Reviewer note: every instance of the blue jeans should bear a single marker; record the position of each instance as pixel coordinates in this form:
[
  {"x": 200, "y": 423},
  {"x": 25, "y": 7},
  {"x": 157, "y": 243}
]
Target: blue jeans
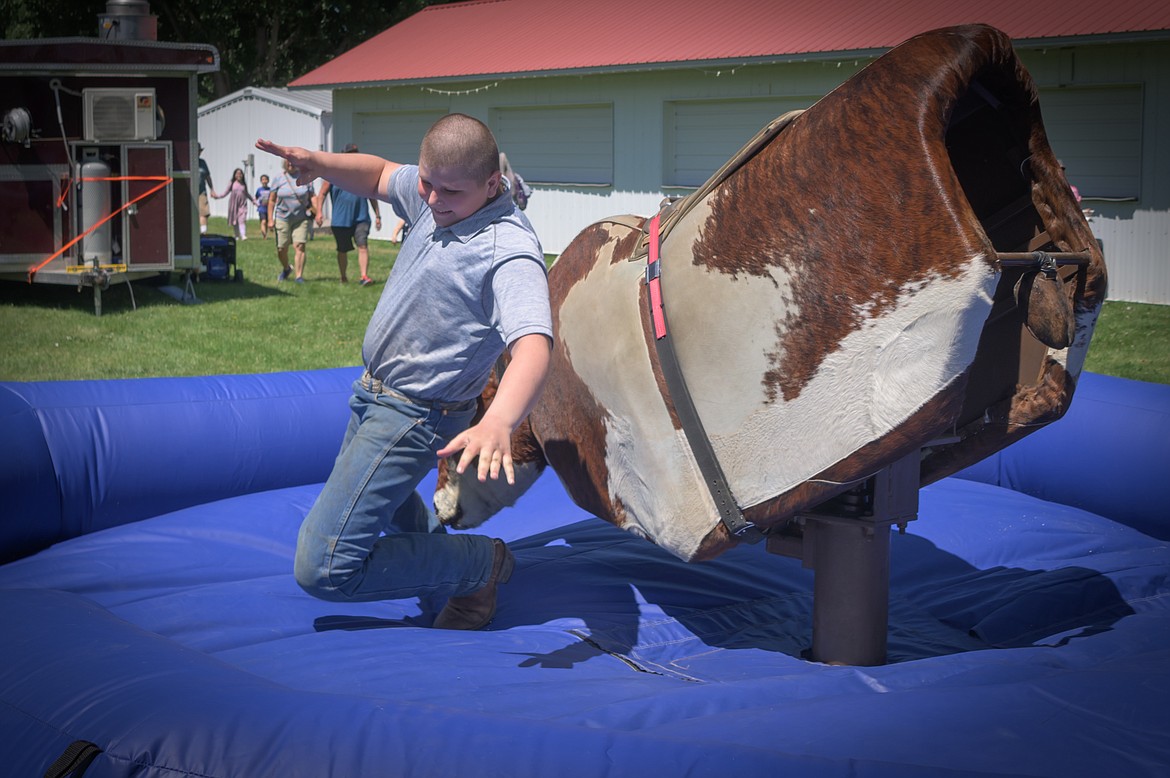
[{"x": 342, "y": 553}]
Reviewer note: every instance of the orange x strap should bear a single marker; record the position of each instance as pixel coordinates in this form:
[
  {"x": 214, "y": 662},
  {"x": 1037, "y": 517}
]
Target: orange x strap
[{"x": 165, "y": 180}]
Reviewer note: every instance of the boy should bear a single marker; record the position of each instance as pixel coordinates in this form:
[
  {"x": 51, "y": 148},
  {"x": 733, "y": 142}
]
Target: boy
[
  {"x": 262, "y": 193},
  {"x": 469, "y": 281}
]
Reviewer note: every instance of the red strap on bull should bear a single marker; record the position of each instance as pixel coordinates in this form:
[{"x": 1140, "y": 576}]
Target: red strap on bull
[{"x": 654, "y": 282}]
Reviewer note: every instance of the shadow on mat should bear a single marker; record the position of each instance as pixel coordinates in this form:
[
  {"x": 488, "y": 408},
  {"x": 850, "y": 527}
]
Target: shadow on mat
[{"x": 635, "y": 602}]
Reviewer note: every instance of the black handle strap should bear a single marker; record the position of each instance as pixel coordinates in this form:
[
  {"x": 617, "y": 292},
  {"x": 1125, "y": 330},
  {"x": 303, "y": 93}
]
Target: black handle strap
[{"x": 74, "y": 761}]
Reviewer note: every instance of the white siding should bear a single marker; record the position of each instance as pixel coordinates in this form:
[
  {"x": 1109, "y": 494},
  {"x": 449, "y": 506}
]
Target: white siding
[
  {"x": 228, "y": 134},
  {"x": 1137, "y": 253}
]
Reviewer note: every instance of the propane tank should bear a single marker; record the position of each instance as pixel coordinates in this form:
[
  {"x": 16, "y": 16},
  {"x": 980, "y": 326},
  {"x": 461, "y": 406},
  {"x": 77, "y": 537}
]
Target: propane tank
[{"x": 95, "y": 205}]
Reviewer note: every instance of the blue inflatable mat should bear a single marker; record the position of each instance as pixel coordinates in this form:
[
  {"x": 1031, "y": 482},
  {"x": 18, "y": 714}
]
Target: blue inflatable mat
[{"x": 1027, "y": 637}]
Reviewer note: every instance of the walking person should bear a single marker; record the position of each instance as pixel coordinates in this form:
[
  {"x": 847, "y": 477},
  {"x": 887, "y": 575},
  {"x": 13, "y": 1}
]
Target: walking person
[
  {"x": 350, "y": 222},
  {"x": 261, "y": 200},
  {"x": 205, "y": 186},
  {"x": 289, "y": 209},
  {"x": 238, "y": 199}
]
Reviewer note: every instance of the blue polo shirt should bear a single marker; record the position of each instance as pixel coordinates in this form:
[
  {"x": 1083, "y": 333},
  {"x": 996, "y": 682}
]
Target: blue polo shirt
[
  {"x": 348, "y": 208},
  {"x": 456, "y": 297}
]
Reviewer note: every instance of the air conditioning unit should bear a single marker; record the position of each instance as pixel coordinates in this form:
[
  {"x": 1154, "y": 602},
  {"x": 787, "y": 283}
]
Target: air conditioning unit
[{"x": 119, "y": 114}]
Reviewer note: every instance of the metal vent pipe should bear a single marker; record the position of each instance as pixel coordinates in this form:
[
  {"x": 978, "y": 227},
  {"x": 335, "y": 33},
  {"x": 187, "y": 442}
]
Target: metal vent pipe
[{"x": 129, "y": 20}]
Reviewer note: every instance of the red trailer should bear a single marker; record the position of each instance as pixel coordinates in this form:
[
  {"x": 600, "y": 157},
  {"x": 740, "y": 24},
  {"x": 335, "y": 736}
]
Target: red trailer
[{"x": 99, "y": 156}]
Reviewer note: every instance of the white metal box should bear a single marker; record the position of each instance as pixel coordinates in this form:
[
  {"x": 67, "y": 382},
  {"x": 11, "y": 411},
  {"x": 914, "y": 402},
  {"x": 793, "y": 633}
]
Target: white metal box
[{"x": 119, "y": 114}]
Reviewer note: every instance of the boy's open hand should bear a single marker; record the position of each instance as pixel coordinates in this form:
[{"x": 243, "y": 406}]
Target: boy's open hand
[
  {"x": 301, "y": 159},
  {"x": 491, "y": 438},
  {"x": 491, "y": 441}
]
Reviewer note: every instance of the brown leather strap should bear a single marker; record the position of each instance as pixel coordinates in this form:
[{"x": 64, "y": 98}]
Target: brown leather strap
[{"x": 684, "y": 406}]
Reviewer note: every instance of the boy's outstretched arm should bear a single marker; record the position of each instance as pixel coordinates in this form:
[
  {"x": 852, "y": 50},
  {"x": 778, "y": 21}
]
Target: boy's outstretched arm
[
  {"x": 520, "y": 387},
  {"x": 365, "y": 175}
]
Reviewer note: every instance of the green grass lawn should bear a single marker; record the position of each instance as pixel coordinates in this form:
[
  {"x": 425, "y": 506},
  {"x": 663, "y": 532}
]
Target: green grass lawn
[
  {"x": 253, "y": 326},
  {"x": 260, "y": 326},
  {"x": 1132, "y": 340}
]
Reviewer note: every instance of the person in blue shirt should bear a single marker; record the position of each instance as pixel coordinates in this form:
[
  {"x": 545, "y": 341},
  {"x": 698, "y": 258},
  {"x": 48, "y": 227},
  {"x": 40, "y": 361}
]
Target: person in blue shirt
[
  {"x": 350, "y": 223},
  {"x": 262, "y": 193},
  {"x": 469, "y": 282}
]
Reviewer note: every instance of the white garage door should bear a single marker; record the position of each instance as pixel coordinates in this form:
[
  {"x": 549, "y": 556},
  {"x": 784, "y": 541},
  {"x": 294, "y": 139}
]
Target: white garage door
[
  {"x": 1097, "y": 133},
  {"x": 394, "y": 136},
  {"x": 703, "y": 134}
]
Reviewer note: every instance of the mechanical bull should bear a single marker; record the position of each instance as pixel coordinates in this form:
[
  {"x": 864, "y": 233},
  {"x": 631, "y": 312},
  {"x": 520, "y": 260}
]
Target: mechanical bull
[{"x": 898, "y": 273}]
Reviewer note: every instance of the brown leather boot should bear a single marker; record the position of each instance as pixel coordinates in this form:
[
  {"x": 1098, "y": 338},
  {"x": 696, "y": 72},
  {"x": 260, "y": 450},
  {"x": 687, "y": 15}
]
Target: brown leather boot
[{"x": 475, "y": 610}]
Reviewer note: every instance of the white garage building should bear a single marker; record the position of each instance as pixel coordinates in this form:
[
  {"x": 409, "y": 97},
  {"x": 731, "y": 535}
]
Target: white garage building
[
  {"x": 605, "y": 106},
  {"x": 229, "y": 127}
]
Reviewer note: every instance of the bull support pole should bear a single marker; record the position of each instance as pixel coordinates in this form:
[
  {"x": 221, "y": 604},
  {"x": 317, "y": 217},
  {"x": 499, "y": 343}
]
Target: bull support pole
[{"x": 846, "y": 542}]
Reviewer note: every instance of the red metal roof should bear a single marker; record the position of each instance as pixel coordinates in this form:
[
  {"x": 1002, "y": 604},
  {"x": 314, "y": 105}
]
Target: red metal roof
[{"x": 485, "y": 38}]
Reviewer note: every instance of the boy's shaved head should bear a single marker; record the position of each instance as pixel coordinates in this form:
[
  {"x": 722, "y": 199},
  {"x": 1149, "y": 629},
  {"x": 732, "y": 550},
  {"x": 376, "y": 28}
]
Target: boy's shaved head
[{"x": 461, "y": 141}]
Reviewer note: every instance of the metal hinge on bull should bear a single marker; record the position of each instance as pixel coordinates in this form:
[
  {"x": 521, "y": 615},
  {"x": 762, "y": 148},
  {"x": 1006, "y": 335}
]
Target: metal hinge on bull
[{"x": 729, "y": 512}]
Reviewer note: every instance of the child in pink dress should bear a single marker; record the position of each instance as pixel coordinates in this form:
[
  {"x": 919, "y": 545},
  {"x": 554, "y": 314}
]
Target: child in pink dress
[{"x": 238, "y": 199}]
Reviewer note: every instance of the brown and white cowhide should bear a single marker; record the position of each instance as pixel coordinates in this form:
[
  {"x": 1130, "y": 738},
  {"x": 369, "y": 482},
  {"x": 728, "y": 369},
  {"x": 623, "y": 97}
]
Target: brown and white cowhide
[{"x": 836, "y": 304}]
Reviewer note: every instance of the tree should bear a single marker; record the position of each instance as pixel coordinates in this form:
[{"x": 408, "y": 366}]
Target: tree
[
  {"x": 260, "y": 42},
  {"x": 24, "y": 19}
]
